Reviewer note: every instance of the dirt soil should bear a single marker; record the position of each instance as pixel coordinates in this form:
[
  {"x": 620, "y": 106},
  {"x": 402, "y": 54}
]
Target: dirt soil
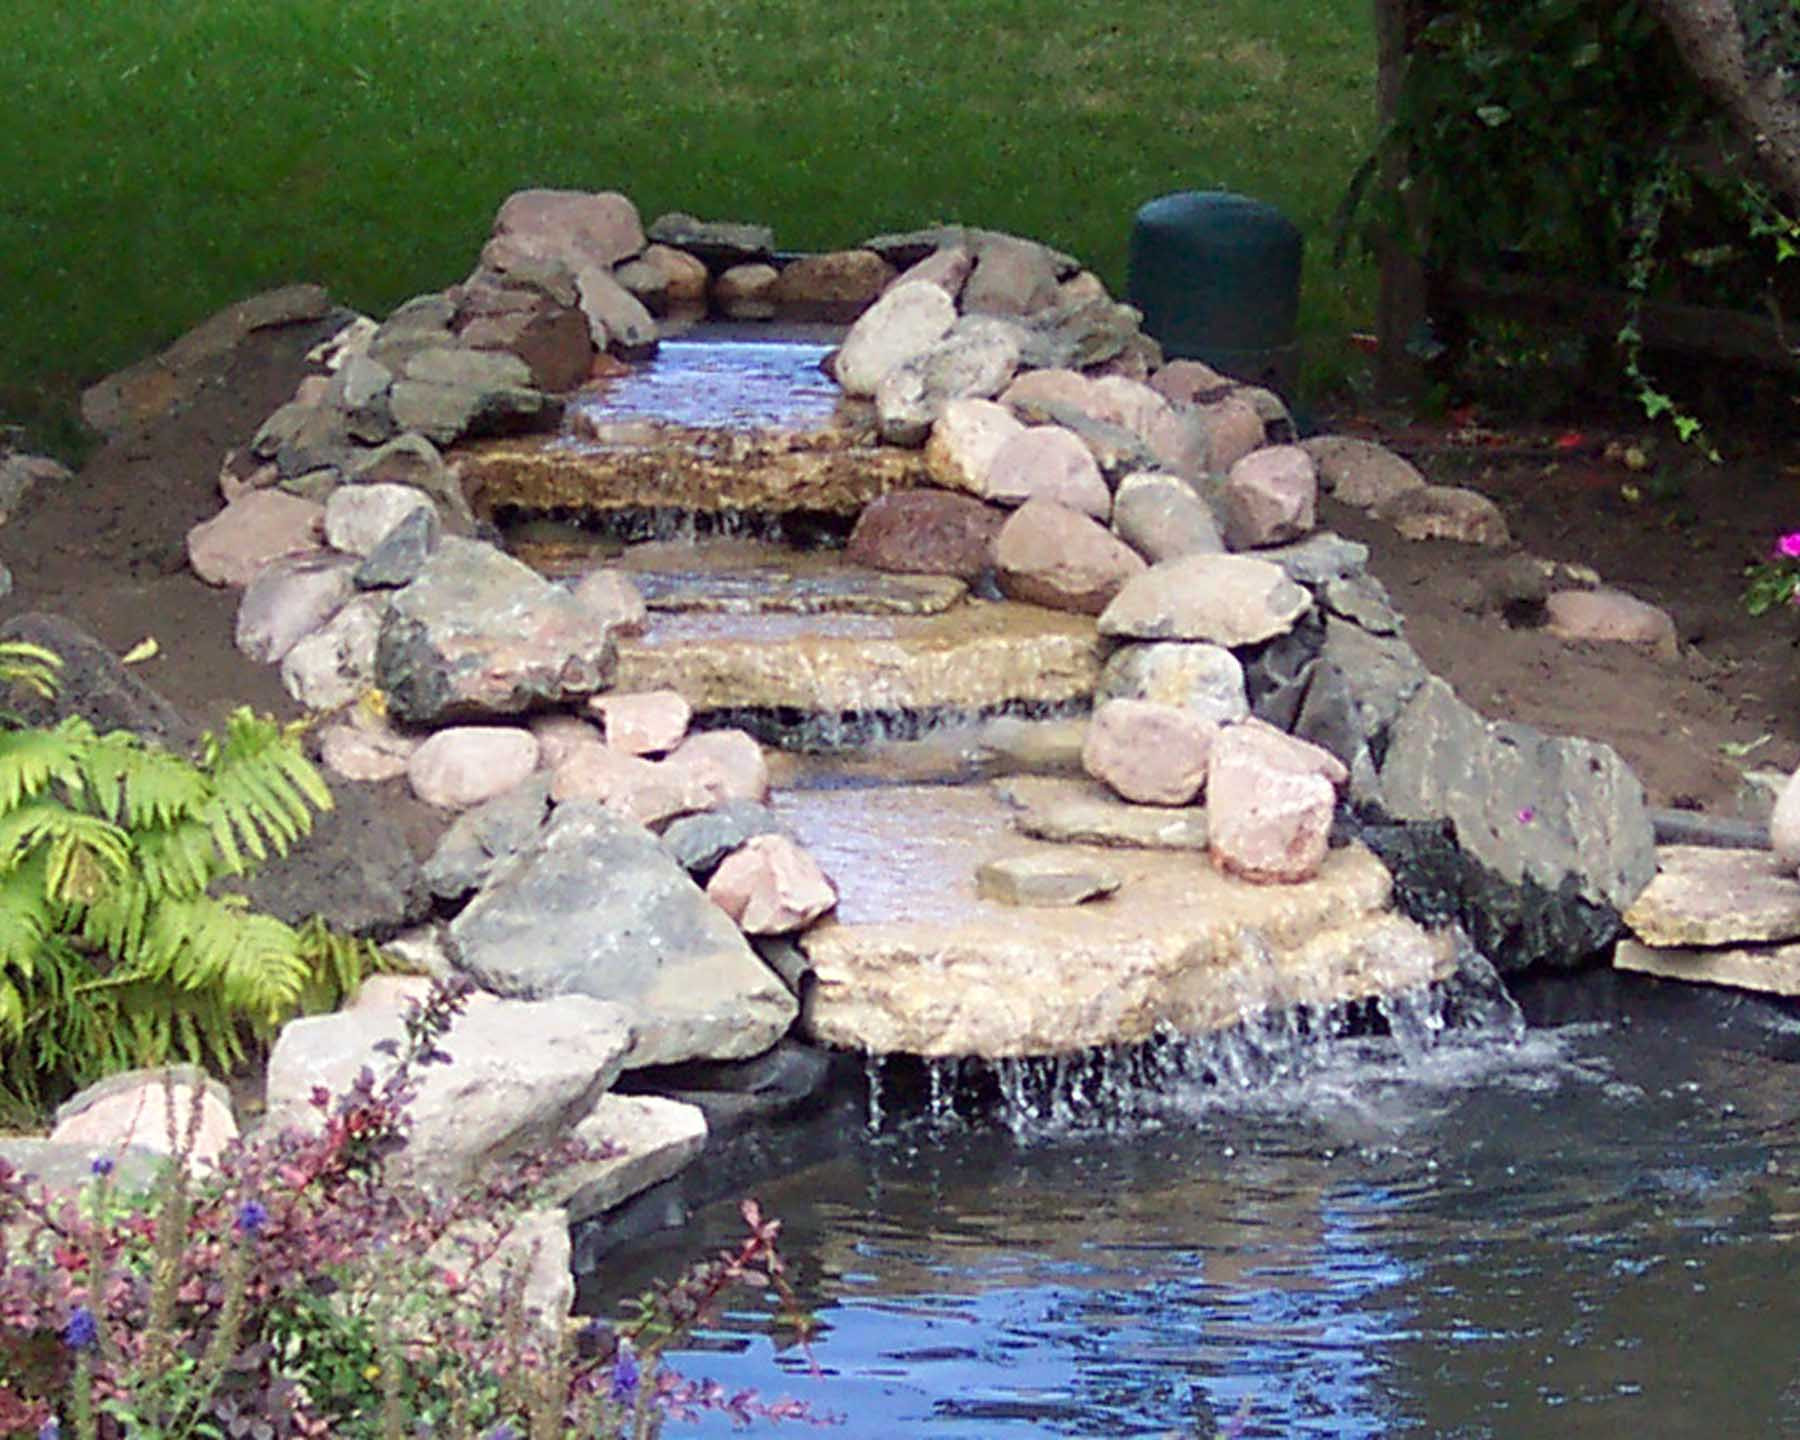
[{"x": 107, "y": 551}]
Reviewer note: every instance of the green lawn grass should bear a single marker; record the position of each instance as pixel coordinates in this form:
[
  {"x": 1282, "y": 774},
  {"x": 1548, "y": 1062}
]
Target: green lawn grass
[{"x": 167, "y": 157}]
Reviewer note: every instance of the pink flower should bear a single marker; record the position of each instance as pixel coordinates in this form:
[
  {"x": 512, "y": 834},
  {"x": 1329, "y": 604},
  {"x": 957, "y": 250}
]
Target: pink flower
[
  {"x": 1527, "y": 815},
  {"x": 1788, "y": 545}
]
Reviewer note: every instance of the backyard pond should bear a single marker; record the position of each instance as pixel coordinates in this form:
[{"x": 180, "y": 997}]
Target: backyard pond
[{"x": 1583, "y": 1228}]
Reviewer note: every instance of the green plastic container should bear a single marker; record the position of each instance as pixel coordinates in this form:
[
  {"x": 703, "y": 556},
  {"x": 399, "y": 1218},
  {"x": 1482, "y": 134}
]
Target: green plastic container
[{"x": 1217, "y": 277}]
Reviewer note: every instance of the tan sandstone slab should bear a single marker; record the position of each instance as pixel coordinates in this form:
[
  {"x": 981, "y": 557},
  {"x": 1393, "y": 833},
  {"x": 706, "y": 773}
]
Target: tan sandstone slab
[
  {"x": 1706, "y": 896},
  {"x": 1773, "y": 969},
  {"x": 917, "y": 962},
  {"x": 978, "y": 656},
  {"x": 1085, "y": 812}
]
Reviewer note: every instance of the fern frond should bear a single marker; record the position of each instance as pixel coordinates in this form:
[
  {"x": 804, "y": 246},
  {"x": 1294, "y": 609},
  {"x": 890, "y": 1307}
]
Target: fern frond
[
  {"x": 265, "y": 789},
  {"x": 251, "y": 962},
  {"x": 12, "y": 1011},
  {"x": 182, "y": 859},
  {"x": 31, "y": 759},
  {"x": 26, "y": 920},
  {"x": 30, "y": 666},
  {"x": 141, "y": 785},
  {"x": 84, "y": 854},
  {"x": 114, "y": 923},
  {"x": 336, "y": 965}
]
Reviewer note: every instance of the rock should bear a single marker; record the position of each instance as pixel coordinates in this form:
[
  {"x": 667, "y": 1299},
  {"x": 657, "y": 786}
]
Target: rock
[
  {"x": 1149, "y": 753},
  {"x": 496, "y": 1097},
  {"x": 467, "y": 764},
  {"x": 1269, "y": 810},
  {"x": 1037, "y": 394},
  {"x": 1707, "y": 896},
  {"x": 595, "y": 907},
  {"x": 1771, "y": 969},
  {"x": 719, "y": 243},
  {"x": 926, "y": 532},
  {"x": 560, "y": 735},
  {"x": 964, "y": 440},
  {"x": 684, "y": 278},
  {"x": 335, "y": 664},
  {"x": 290, "y": 599},
  {"x": 399, "y": 557},
  {"x": 249, "y": 533},
  {"x": 154, "y": 386},
  {"x": 651, "y": 1139},
  {"x": 1044, "y": 880},
  {"x": 974, "y": 359},
  {"x": 21, "y": 474},
  {"x": 1320, "y": 558},
  {"x": 1223, "y": 599},
  {"x": 355, "y": 752},
  {"x": 421, "y": 323},
  {"x": 948, "y": 269},
  {"x": 1269, "y": 497},
  {"x": 914, "y": 245},
  {"x": 1084, "y": 812},
  {"x": 770, "y": 886},
  {"x": 144, "y": 1109},
  {"x": 479, "y": 633},
  {"x": 726, "y": 764},
  {"x": 554, "y": 340},
  {"x": 94, "y": 684},
  {"x": 413, "y": 460},
  {"x": 1228, "y": 430},
  {"x": 1610, "y": 615},
  {"x": 1446, "y": 512},
  {"x": 570, "y": 227},
  {"x": 648, "y": 723},
  {"x": 837, "y": 285},
  {"x": 1204, "y": 679},
  {"x": 1162, "y": 517},
  {"x": 360, "y": 517},
  {"x": 1364, "y": 602},
  {"x": 746, "y": 292},
  {"x": 1171, "y": 440},
  {"x": 1360, "y": 472},
  {"x": 1189, "y": 382},
  {"x": 355, "y": 871},
  {"x": 1046, "y": 462},
  {"x": 1551, "y": 836},
  {"x": 1050, "y": 555},
  {"x": 1011, "y": 277},
  {"x": 485, "y": 836},
  {"x": 900, "y": 326},
  {"x": 633, "y": 789},
  {"x": 617, "y": 320},
  {"x": 699, "y": 842},
  {"x": 613, "y": 600},
  {"x": 1784, "y": 822}
]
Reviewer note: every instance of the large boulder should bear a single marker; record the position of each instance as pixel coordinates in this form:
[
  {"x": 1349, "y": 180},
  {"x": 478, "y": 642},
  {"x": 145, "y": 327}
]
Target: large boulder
[
  {"x": 479, "y": 633},
  {"x": 593, "y": 905}
]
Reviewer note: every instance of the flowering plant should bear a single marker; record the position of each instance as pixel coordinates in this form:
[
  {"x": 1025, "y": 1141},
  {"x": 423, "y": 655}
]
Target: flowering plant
[
  {"x": 1776, "y": 580},
  {"x": 297, "y": 1291}
]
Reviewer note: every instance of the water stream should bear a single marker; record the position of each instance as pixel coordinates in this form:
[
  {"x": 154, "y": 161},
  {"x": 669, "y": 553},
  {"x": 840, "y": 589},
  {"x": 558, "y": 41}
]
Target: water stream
[{"x": 1585, "y": 1229}]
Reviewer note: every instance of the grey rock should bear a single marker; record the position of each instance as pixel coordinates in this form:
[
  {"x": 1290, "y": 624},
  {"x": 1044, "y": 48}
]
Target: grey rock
[
  {"x": 68, "y": 1169},
  {"x": 355, "y": 871},
  {"x": 94, "y": 685},
  {"x": 1318, "y": 558},
  {"x": 485, "y": 836},
  {"x": 480, "y": 634},
  {"x": 719, "y": 243},
  {"x": 335, "y": 664},
  {"x": 421, "y": 323},
  {"x": 1163, "y": 517},
  {"x": 411, "y": 459},
  {"x": 617, "y": 319},
  {"x": 1225, "y": 599},
  {"x": 290, "y": 599},
  {"x": 400, "y": 556},
  {"x": 699, "y": 842},
  {"x": 597, "y": 907},
  {"x": 1079, "y": 336},
  {"x": 1383, "y": 672},
  {"x": 974, "y": 360},
  {"x": 1364, "y": 601},
  {"x": 911, "y": 246},
  {"x": 1204, "y": 678}
]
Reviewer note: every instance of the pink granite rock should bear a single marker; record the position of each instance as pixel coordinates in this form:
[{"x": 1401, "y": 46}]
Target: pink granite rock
[
  {"x": 650, "y": 722},
  {"x": 770, "y": 886},
  {"x": 1047, "y": 462},
  {"x": 1232, "y": 430},
  {"x": 964, "y": 441},
  {"x": 948, "y": 269},
  {"x": 1269, "y": 807},
  {"x": 646, "y": 791},
  {"x": 369, "y": 753},
  {"x": 746, "y": 292},
  {"x": 466, "y": 764},
  {"x": 614, "y": 599},
  {"x": 901, "y": 326},
  {"x": 570, "y": 226},
  {"x": 1360, "y": 472},
  {"x": 1269, "y": 497},
  {"x": 1050, "y": 555},
  {"x": 288, "y": 600},
  {"x": 727, "y": 765},
  {"x": 257, "y": 527},
  {"x": 925, "y": 532},
  {"x": 559, "y": 735},
  {"x": 1190, "y": 382},
  {"x": 836, "y": 285},
  {"x": 1446, "y": 512},
  {"x": 135, "y": 1108},
  {"x": 1610, "y": 615},
  {"x": 1149, "y": 753}
]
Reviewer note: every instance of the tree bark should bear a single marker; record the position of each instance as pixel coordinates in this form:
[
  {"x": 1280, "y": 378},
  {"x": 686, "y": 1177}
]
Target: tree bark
[{"x": 1711, "y": 42}]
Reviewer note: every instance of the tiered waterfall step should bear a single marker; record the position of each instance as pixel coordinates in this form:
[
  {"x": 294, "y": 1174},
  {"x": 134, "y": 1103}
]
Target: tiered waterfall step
[{"x": 1717, "y": 917}]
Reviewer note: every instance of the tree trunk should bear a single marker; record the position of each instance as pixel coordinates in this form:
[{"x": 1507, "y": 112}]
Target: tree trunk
[{"x": 1711, "y": 41}]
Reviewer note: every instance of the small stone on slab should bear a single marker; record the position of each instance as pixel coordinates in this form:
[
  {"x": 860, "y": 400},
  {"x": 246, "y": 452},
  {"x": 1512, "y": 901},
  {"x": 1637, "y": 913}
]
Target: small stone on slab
[
  {"x": 1707, "y": 896},
  {"x": 1044, "y": 880},
  {"x": 1085, "y": 812}
]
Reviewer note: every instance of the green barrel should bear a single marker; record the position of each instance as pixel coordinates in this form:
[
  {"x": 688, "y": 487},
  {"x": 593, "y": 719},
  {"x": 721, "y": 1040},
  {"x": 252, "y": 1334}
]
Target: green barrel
[{"x": 1217, "y": 277}]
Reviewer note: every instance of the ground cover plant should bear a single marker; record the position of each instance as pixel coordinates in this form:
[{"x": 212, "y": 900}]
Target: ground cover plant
[
  {"x": 165, "y": 161},
  {"x": 298, "y": 1290}
]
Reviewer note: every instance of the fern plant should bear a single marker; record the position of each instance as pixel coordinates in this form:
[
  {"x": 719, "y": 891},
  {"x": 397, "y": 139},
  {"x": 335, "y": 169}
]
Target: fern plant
[{"x": 114, "y": 949}]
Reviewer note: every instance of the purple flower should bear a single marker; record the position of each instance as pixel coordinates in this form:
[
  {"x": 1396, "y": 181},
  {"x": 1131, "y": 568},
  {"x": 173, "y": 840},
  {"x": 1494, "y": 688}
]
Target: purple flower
[
  {"x": 252, "y": 1215},
  {"x": 102, "y": 1165},
  {"x": 625, "y": 1375},
  {"x": 1788, "y": 546},
  {"x": 1527, "y": 815},
  {"x": 51, "y": 1429},
  {"x": 503, "y": 1431},
  {"x": 82, "y": 1331}
]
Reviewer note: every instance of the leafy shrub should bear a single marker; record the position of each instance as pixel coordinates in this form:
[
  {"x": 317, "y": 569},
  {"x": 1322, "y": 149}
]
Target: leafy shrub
[
  {"x": 114, "y": 951},
  {"x": 297, "y": 1292}
]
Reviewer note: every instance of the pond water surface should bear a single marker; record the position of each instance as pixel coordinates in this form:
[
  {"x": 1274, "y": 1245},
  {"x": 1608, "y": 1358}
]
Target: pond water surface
[{"x": 1589, "y": 1230}]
